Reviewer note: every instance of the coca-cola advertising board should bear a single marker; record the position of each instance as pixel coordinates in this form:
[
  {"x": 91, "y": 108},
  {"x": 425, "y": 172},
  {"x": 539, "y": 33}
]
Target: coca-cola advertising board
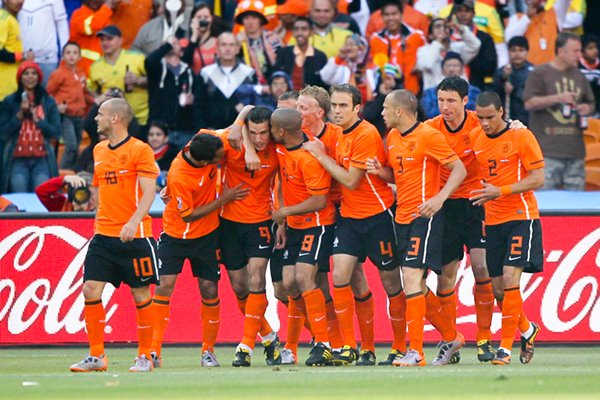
[{"x": 41, "y": 278}]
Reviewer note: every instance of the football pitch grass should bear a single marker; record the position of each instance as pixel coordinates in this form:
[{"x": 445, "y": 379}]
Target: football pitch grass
[{"x": 42, "y": 373}]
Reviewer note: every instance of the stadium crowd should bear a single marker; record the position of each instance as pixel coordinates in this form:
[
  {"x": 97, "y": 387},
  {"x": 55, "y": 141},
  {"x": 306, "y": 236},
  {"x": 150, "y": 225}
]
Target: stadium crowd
[{"x": 176, "y": 74}]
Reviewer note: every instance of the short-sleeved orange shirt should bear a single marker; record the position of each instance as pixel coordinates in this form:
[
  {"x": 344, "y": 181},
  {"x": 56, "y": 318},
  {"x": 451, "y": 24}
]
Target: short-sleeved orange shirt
[
  {"x": 505, "y": 158},
  {"x": 460, "y": 141},
  {"x": 189, "y": 187},
  {"x": 330, "y": 136},
  {"x": 373, "y": 195},
  {"x": 302, "y": 176},
  {"x": 117, "y": 170},
  {"x": 417, "y": 157}
]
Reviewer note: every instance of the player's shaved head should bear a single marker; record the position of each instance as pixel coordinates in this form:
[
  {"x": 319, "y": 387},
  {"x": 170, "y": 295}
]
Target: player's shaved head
[
  {"x": 404, "y": 99},
  {"x": 287, "y": 119},
  {"x": 120, "y": 107}
]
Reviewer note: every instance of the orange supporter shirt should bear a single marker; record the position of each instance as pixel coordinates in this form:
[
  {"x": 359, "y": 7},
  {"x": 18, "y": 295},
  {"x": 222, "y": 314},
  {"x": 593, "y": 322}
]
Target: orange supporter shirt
[
  {"x": 116, "y": 174},
  {"x": 258, "y": 205},
  {"x": 130, "y": 16},
  {"x": 85, "y": 24},
  {"x": 417, "y": 156},
  {"x": 330, "y": 136},
  {"x": 460, "y": 141},
  {"x": 373, "y": 195},
  {"x": 302, "y": 176},
  {"x": 505, "y": 158},
  {"x": 189, "y": 187},
  {"x": 541, "y": 35}
]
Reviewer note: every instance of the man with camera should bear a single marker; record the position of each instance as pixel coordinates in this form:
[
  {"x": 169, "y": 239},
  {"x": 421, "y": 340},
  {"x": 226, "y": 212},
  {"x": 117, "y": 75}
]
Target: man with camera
[{"x": 68, "y": 193}]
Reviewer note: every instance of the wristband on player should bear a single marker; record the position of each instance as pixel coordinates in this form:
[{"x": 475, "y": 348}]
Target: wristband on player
[{"x": 504, "y": 190}]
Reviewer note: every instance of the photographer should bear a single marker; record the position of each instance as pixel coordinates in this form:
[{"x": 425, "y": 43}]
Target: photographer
[{"x": 68, "y": 193}]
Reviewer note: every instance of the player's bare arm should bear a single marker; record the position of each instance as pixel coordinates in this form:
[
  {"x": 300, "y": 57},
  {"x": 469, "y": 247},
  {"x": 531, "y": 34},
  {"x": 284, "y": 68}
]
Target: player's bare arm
[
  {"x": 314, "y": 203},
  {"x": 534, "y": 180},
  {"x": 374, "y": 167},
  {"x": 250, "y": 156},
  {"x": 349, "y": 178},
  {"x": 235, "y": 132},
  {"x": 148, "y": 193},
  {"x": 457, "y": 175},
  {"x": 238, "y": 192}
]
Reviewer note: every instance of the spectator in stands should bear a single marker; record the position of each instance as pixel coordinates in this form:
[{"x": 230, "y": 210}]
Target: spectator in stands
[
  {"x": 589, "y": 64},
  {"x": 29, "y": 119},
  {"x": 220, "y": 81},
  {"x": 509, "y": 80},
  {"x": 279, "y": 83},
  {"x": 259, "y": 46},
  {"x": 326, "y": 37},
  {"x": 430, "y": 56},
  {"x": 557, "y": 95},
  {"x": 204, "y": 29},
  {"x": 154, "y": 32},
  {"x": 164, "y": 151},
  {"x": 11, "y": 47},
  {"x": 45, "y": 30},
  {"x": 86, "y": 22},
  {"x": 67, "y": 85},
  {"x": 171, "y": 92},
  {"x": 390, "y": 79},
  {"x": 301, "y": 61},
  {"x": 7, "y": 206},
  {"x": 68, "y": 193},
  {"x": 342, "y": 19},
  {"x": 123, "y": 69},
  {"x": 483, "y": 66},
  {"x": 399, "y": 44},
  {"x": 288, "y": 99},
  {"x": 352, "y": 66},
  {"x": 130, "y": 16},
  {"x": 411, "y": 17},
  {"x": 287, "y": 13},
  {"x": 452, "y": 65}
]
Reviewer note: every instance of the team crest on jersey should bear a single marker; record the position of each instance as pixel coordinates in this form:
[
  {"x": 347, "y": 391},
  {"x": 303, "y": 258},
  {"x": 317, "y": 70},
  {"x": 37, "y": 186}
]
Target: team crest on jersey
[
  {"x": 466, "y": 140},
  {"x": 412, "y": 146},
  {"x": 506, "y": 148},
  {"x": 179, "y": 203},
  {"x": 123, "y": 158}
]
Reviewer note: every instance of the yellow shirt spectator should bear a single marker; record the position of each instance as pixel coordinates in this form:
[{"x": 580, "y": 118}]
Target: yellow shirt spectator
[
  {"x": 104, "y": 76},
  {"x": 329, "y": 43},
  {"x": 486, "y": 18},
  {"x": 10, "y": 42}
]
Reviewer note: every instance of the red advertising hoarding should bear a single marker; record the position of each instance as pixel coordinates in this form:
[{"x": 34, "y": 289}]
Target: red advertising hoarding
[{"x": 41, "y": 278}]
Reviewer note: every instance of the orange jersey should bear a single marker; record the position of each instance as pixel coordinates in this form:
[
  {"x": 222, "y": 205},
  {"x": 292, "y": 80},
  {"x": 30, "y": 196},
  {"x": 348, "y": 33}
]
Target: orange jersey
[
  {"x": 417, "y": 157},
  {"x": 330, "y": 136},
  {"x": 460, "y": 141},
  {"x": 116, "y": 174},
  {"x": 505, "y": 159},
  {"x": 258, "y": 205},
  {"x": 85, "y": 24},
  {"x": 189, "y": 187},
  {"x": 373, "y": 195},
  {"x": 302, "y": 176}
]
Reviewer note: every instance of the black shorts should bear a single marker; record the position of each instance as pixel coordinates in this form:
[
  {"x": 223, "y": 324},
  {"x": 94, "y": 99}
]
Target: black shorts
[
  {"x": 240, "y": 242},
  {"x": 309, "y": 246},
  {"x": 420, "y": 242},
  {"x": 515, "y": 244},
  {"x": 202, "y": 252},
  {"x": 276, "y": 265},
  {"x": 463, "y": 227},
  {"x": 372, "y": 237},
  {"x": 110, "y": 260}
]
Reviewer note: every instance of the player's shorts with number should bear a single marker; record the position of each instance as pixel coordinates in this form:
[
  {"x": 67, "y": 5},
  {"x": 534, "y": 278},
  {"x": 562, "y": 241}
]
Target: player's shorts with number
[{"x": 309, "y": 246}]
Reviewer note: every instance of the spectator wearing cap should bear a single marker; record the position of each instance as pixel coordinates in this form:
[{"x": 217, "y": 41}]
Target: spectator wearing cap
[
  {"x": 11, "y": 49},
  {"x": 430, "y": 56},
  {"x": 352, "y": 66},
  {"x": 86, "y": 22},
  {"x": 259, "y": 46},
  {"x": 452, "y": 65},
  {"x": 390, "y": 79},
  {"x": 30, "y": 120},
  {"x": 279, "y": 83},
  {"x": 589, "y": 64},
  {"x": 301, "y": 61},
  {"x": 122, "y": 69},
  {"x": 509, "y": 80},
  {"x": 287, "y": 13}
]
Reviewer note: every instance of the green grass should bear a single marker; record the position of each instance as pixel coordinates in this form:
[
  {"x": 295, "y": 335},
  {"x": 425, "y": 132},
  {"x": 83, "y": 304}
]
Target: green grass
[{"x": 556, "y": 372}]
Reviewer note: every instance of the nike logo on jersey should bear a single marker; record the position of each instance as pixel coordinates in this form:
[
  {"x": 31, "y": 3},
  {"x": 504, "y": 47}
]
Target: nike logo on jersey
[
  {"x": 263, "y": 247},
  {"x": 145, "y": 279},
  {"x": 97, "y": 163},
  {"x": 390, "y": 147},
  {"x": 477, "y": 152},
  {"x": 303, "y": 254},
  {"x": 319, "y": 319},
  {"x": 410, "y": 258},
  {"x": 386, "y": 262},
  {"x": 513, "y": 258},
  {"x": 201, "y": 182},
  {"x": 341, "y": 311}
]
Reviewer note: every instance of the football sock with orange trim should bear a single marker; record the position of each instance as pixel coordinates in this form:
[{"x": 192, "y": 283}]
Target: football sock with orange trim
[
  {"x": 333, "y": 326},
  {"x": 265, "y": 328},
  {"x": 484, "y": 309},
  {"x": 343, "y": 300},
  {"x": 434, "y": 315},
  {"x": 256, "y": 306},
  {"x": 317, "y": 316},
  {"x": 144, "y": 316},
  {"x": 397, "y": 310},
  {"x": 524, "y": 323},
  {"x": 161, "y": 311},
  {"x": 447, "y": 299},
  {"x": 210, "y": 314},
  {"x": 295, "y": 323},
  {"x": 511, "y": 312},
  {"x": 95, "y": 321},
  {"x": 416, "y": 306},
  {"x": 365, "y": 314}
]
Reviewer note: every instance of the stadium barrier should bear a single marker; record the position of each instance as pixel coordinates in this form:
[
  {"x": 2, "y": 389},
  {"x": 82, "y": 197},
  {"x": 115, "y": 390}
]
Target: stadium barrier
[{"x": 41, "y": 257}]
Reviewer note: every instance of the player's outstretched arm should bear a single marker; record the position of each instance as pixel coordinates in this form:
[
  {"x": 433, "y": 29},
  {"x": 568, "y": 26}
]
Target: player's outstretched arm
[
  {"x": 534, "y": 180},
  {"x": 229, "y": 194},
  {"x": 148, "y": 193},
  {"x": 235, "y": 132},
  {"x": 314, "y": 203},
  {"x": 349, "y": 178}
]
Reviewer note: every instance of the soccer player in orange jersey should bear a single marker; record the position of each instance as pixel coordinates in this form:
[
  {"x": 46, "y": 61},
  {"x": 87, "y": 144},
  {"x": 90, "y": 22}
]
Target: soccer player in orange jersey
[
  {"x": 365, "y": 227},
  {"x": 416, "y": 153},
  {"x": 513, "y": 166},
  {"x": 191, "y": 231},
  {"x": 122, "y": 249},
  {"x": 305, "y": 220},
  {"x": 463, "y": 221}
]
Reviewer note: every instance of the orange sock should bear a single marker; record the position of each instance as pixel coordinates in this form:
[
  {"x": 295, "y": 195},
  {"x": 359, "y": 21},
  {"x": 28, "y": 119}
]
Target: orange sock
[
  {"x": 484, "y": 309},
  {"x": 365, "y": 313},
  {"x": 317, "y": 316},
  {"x": 295, "y": 322},
  {"x": 416, "y": 306},
  {"x": 333, "y": 326},
  {"x": 265, "y": 328},
  {"x": 210, "y": 311},
  {"x": 511, "y": 312},
  {"x": 255, "y": 313},
  {"x": 144, "y": 316},
  {"x": 95, "y": 321},
  {"x": 343, "y": 299},
  {"x": 447, "y": 299},
  {"x": 161, "y": 310},
  {"x": 437, "y": 319},
  {"x": 524, "y": 323},
  {"x": 397, "y": 310}
]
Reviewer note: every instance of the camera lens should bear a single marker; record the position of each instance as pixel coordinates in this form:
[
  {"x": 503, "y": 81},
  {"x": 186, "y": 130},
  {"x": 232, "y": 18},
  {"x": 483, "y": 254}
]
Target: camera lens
[{"x": 203, "y": 23}]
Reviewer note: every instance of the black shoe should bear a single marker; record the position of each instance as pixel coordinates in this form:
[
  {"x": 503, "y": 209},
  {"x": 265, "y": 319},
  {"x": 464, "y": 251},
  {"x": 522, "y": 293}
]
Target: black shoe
[
  {"x": 391, "y": 357},
  {"x": 242, "y": 359},
  {"x": 527, "y": 345},
  {"x": 319, "y": 355},
  {"x": 272, "y": 353},
  {"x": 346, "y": 356},
  {"x": 485, "y": 351},
  {"x": 366, "y": 358},
  {"x": 455, "y": 359}
]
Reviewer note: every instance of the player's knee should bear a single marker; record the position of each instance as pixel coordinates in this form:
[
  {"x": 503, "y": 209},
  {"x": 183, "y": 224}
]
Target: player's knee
[
  {"x": 446, "y": 282},
  {"x": 340, "y": 277},
  {"x": 208, "y": 289},
  {"x": 91, "y": 290},
  {"x": 280, "y": 292},
  {"x": 257, "y": 283},
  {"x": 498, "y": 293}
]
